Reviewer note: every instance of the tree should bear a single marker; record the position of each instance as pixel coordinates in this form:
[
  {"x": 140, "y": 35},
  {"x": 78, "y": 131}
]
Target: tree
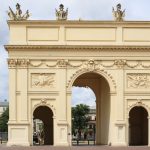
[
  {"x": 4, "y": 120},
  {"x": 80, "y": 117}
]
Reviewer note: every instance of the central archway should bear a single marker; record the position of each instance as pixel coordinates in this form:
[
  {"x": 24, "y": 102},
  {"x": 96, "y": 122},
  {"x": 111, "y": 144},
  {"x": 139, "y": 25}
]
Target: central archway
[
  {"x": 101, "y": 89},
  {"x": 45, "y": 114}
]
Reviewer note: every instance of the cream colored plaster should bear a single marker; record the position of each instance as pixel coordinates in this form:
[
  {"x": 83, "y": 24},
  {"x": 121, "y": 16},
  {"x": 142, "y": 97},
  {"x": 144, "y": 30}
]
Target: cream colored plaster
[{"x": 47, "y": 57}]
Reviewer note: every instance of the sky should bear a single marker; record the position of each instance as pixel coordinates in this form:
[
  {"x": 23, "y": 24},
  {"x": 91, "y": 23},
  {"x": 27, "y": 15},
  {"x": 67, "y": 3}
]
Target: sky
[{"x": 84, "y": 9}]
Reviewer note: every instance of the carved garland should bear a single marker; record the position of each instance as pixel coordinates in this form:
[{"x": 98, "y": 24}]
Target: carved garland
[
  {"x": 22, "y": 63},
  {"x": 63, "y": 63}
]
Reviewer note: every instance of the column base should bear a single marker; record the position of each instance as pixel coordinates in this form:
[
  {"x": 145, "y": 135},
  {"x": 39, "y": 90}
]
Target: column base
[{"x": 18, "y": 134}]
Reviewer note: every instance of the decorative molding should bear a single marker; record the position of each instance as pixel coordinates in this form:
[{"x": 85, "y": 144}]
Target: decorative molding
[
  {"x": 44, "y": 102},
  {"x": 62, "y": 63},
  {"x": 42, "y": 80},
  {"x": 36, "y": 63},
  {"x": 91, "y": 66},
  {"x": 107, "y": 63},
  {"x": 132, "y": 63},
  {"x": 138, "y": 103},
  {"x": 145, "y": 64},
  {"x": 22, "y": 63},
  {"x": 76, "y": 47},
  {"x": 12, "y": 63},
  {"x": 138, "y": 80},
  {"x": 120, "y": 63}
]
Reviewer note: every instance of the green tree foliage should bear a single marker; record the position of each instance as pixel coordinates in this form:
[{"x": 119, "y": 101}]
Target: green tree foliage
[
  {"x": 80, "y": 117},
  {"x": 4, "y": 120}
]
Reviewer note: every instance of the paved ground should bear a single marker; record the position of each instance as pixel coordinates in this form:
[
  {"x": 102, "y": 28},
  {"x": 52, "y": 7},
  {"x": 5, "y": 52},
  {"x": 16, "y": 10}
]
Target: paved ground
[{"x": 3, "y": 147}]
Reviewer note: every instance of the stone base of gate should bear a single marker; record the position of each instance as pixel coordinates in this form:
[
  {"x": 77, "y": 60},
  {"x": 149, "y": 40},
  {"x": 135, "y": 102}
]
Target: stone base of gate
[{"x": 18, "y": 134}]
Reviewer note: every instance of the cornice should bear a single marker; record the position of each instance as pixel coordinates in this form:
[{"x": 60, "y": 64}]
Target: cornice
[
  {"x": 75, "y": 47},
  {"x": 78, "y": 22}
]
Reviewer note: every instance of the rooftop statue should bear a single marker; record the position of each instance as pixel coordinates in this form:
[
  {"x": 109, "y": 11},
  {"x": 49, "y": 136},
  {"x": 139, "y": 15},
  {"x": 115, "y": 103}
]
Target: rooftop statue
[
  {"x": 18, "y": 15},
  {"x": 118, "y": 14},
  {"x": 61, "y": 14}
]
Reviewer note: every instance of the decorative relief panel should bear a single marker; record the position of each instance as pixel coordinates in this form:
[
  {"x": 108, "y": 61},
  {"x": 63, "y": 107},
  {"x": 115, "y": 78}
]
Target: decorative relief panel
[
  {"x": 138, "y": 80},
  {"x": 42, "y": 80}
]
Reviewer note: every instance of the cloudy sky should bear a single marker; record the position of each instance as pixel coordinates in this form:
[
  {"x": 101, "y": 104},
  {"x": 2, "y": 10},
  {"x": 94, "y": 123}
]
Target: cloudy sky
[{"x": 45, "y": 10}]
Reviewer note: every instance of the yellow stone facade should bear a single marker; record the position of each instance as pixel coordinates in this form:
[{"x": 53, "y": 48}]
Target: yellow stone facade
[{"x": 46, "y": 58}]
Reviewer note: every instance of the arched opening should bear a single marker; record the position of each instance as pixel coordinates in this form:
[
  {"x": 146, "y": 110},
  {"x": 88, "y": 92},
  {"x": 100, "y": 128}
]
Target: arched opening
[
  {"x": 138, "y": 126},
  {"x": 101, "y": 88},
  {"x": 45, "y": 133}
]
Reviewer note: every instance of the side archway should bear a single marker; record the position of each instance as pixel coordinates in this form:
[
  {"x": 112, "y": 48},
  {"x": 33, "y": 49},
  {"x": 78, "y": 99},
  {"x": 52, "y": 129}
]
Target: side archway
[
  {"x": 138, "y": 126},
  {"x": 45, "y": 114}
]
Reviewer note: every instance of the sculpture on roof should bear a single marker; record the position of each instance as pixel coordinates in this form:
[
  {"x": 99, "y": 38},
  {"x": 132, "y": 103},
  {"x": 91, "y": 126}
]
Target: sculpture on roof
[
  {"x": 18, "y": 15},
  {"x": 61, "y": 14},
  {"x": 118, "y": 13}
]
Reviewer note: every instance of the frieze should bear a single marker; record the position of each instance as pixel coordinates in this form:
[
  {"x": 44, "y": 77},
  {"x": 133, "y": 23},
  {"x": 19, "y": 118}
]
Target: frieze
[
  {"x": 41, "y": 80},
  {"x": 90, "y": 64},
  {"x": 138, "y": 80}
]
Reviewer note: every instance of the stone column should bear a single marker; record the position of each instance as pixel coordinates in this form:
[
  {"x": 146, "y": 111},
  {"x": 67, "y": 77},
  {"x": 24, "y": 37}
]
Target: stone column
[
  {"x": 62, "y": 98},
  {"x": 12, "y": 90},
  {"x": 120, "y": 89},
  {"x": 112, "y": 116},
  {"x": 69, "y": 117},
  {"x": 22, "y": 79}
]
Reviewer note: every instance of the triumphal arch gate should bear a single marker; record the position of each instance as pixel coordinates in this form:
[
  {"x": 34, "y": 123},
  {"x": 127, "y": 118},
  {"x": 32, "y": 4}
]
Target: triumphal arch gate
[{"x": 47, "y": 58}]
